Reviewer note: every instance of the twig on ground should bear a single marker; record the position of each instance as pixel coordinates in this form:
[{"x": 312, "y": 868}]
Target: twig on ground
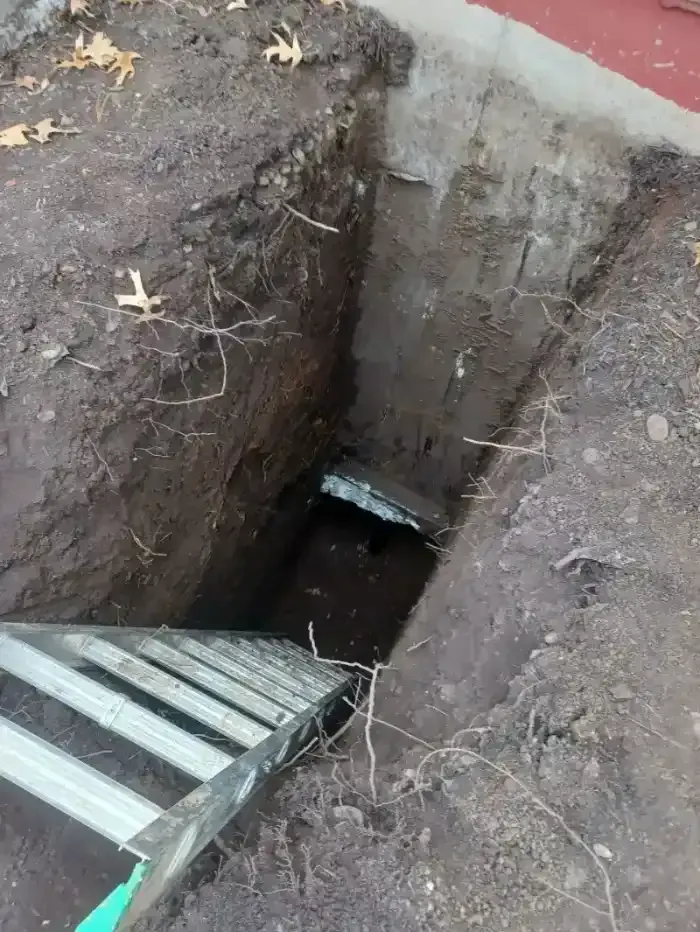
[
  {"x": 150, "y": 554},
  {"x": 660, "y": 734},
  {"x": 224, "y": 377},
  {"x": 574, "y": 899},
  {"x": 503, "y": 446},
  {"x": 192, "y": 326},
  {"x": 480, "y": 483},
  {"x": 85, "y": 365},
  {"x": 418, "y": 644},
  {"x": 371, "y": 695},
  {"x": 187, "y": 437},
  {"x": 102, "y": 460},
  {"x": 314, "y": 223}
]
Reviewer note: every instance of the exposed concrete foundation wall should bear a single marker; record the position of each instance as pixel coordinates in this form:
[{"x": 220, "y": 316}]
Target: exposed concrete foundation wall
[{"x": 507, "y": 156}]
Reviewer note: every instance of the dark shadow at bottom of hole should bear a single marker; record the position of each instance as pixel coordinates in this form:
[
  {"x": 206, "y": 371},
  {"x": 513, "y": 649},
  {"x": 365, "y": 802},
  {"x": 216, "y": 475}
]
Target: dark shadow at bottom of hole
[{"x": 353, "y": 576}]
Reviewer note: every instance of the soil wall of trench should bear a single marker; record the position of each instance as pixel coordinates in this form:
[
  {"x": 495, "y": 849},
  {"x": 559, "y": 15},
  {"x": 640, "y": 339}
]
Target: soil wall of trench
[
  {"x": 141, "y": 459},
  {"x": 157, "y": 470}
]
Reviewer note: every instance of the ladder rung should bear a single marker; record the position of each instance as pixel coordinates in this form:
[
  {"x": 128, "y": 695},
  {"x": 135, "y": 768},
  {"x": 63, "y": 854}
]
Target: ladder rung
[
  {"x": 335, "y": 673},
  {"x": 323, "y": 671},
  {"x": 263, "y": 681},
  {"x": 168, "y": 688},
  {"x": 70, "y": 785},
  {"x": 112, "y": 710},
  {"x": 292, "y": 666},
  {"x": 258, "y": 661},
  {"x": 204, "y": 675}
]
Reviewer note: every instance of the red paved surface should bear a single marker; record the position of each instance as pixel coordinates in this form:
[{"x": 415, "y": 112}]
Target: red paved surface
[{"x": 654, "y": 47}]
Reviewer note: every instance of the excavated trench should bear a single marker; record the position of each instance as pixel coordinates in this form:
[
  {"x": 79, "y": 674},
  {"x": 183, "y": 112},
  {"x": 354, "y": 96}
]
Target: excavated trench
[{"x": 420, "y": 318}]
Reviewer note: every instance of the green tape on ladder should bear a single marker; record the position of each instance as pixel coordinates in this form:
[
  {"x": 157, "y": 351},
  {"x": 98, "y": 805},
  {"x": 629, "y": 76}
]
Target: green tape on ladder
[{"x": 106, "y": 916}]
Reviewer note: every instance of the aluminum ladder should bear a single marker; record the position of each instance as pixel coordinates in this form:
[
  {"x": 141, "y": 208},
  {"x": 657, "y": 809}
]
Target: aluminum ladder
[{"x": 265, "y": 695}]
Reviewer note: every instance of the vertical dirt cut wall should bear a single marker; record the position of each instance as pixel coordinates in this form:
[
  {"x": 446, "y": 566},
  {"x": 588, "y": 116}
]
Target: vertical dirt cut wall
[{"x": 141, "y": 456}]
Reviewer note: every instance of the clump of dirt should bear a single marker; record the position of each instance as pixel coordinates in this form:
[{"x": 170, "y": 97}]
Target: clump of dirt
[
  {"x": 134, "y": 447},
  {"x": 535, "y": 740}
]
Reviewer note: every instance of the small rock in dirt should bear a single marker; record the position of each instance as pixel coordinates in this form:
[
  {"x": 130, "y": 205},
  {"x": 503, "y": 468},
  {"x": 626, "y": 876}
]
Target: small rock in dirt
[
  {"x": 657, "y": 428},
  {"x": 621, "y": 692},
  {"x": 631, "y": 514},
  {"x": 349, "y": 814},
  {"x": 27, "y": 322},
  {"x": 603, "y": 851},
  {"x": 424, "y": 838},
  {"x": 690, "y": 226},
  {"x": 590, "y": 456},
  {"x": 46, "y": 416},
  {"x": 576, "y": 877},
  {"x": 551, "y": 638}
]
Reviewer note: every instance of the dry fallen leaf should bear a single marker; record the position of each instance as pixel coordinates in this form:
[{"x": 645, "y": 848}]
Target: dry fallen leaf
[
  {"x": 33, "y": 85},
  {"x": 27, "y": 81},
  {"x": 238, "y": 5},
  {"x": 80, "y": 7},
  {"x": 696, "y": 250},
  {"x": 140, "y": 299},
  {"x": 124, "y": 64},
  {"x": 79, "y": 59},
  {"x": 101, "y": 50},
  {"x": 14, "y": 136},
  {"x": 341, "y": 3},
  {"x": 284, "y": 51},
  {"x": 44, "y": 129}
]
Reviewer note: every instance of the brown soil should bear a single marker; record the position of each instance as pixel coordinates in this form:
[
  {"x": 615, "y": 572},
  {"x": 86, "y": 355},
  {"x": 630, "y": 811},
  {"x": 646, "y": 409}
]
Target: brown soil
[
  {"x": 537, "y": 737},
  {"x": 183, "y": 176}
]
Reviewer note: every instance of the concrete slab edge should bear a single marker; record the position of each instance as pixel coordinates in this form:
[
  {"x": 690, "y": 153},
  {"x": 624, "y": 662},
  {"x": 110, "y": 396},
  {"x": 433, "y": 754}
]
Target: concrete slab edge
[{"x": 560, "y": 80}]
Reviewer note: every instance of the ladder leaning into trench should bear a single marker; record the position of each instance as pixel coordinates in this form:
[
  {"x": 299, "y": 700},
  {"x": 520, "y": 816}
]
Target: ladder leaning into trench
[{"x": 265, "y": 695}]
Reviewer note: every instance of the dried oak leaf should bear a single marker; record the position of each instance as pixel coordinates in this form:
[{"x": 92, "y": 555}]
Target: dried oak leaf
[
  {"x": 140, "y": 299},
  {"x": 80, "y": 8},
  {"x": 284, "y": 51},
  {"x": 101, "y": 50},
  {"x": 79, "y": 59},
  {"x": 124, "y": 64},
  {"x": 28, "y": 82},
  {"x": 45, "y": 129},
  {"x": 14, "y": 135}
]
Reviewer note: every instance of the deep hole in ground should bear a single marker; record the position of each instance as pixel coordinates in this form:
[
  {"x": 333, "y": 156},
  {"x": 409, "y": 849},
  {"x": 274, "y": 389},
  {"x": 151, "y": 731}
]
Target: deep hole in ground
[{"x": 352, "y": 575}]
